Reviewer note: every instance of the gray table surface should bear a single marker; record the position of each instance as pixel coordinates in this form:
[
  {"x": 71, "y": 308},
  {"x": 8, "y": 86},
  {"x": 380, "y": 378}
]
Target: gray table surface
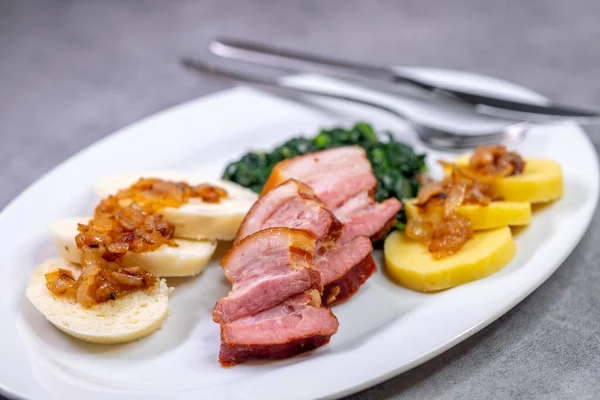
[{"x": 73, "y": 71}]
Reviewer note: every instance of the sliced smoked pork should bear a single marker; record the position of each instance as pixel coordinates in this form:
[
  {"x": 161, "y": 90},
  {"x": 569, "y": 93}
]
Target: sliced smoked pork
[
  {"x": 345, "y": 268},
  {"x": 354, "y": 205},
  {"x": 343, "y": 179},
  {"x": 371, "y": 219},
  {"x": 297, "y": 325},
  {"x": 265, "y": 269},
  {"x": 335, "y": 175},
  {"x": 292, "y": 205}
]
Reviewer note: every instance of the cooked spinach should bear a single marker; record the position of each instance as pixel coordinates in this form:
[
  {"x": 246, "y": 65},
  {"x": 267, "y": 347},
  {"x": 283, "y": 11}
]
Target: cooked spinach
[{"x": 395, "y": 164}]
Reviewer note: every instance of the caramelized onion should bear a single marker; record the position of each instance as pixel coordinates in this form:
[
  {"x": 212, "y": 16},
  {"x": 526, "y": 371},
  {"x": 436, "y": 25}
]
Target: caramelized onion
[
  {"x": 127, "y": 221},
  {"x": 438, "y": 223},
  {"x": 128, "y": 280},
  {"x": 450, "y": 235},
  {"x": 86, "y": 285},
  {"x": 108, "y": 281},
  {"x": 496, "y": 161},
  {"x": 118, "y": 248},
  {"x": 472, "y": 175},
  {"x": 208, "y": 193},
  {"x": 428, "y": 191},
  {"x": 419, "y": 229},
  {"x": 60, "y": 282},
  {"x": 455, "y": 198}
]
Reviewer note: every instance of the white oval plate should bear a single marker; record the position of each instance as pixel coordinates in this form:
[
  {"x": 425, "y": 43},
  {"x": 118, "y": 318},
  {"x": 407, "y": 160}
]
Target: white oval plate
[{"x": 384, "y": 330}]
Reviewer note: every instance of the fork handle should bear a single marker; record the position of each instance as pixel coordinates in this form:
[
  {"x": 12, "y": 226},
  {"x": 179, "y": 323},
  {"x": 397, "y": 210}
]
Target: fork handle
[{"x": 273, "y": 83}]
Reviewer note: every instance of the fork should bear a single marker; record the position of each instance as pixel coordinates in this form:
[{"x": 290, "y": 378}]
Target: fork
[{"x": 434, "y": 137}]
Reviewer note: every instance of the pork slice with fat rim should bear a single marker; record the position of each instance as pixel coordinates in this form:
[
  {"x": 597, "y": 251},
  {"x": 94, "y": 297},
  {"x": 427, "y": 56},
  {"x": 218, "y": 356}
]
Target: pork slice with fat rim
[
  {"x": 291, "y": 205},
  {"x": 306, "y": 210},
  {"x": 373, "y": 221},
  {"x": 265, "y": 269},
  {"x": 297, "y": 325},
  {"x": 335, "y": 175},
  {"x": 345, "y": 268},
  {"x": 354, "y": 205}
]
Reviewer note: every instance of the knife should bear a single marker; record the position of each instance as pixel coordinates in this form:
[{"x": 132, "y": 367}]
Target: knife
[{"x": 292, "y": 60}]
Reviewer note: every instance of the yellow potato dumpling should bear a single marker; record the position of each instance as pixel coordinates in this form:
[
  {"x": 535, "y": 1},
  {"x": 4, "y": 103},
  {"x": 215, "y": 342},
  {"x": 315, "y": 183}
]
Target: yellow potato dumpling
[
  {"x": 495, "y": 215},
  {"x": 410, "y": 264},
  {"x": 540, "y": 182}
]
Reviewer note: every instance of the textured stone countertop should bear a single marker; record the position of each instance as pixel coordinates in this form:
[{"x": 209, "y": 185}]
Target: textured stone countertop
[{"x": 72, "y": 72}]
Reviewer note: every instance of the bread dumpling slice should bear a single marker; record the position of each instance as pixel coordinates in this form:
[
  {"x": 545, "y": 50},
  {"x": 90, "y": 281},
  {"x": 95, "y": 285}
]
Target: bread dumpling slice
[
  {"x": 125, "y": 319},
  {"x": 189, "y": 258},
  {"x": 195, "y": 219}
]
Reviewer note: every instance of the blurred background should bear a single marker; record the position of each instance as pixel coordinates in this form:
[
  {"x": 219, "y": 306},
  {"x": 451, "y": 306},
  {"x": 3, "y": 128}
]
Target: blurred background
[{"x": 73, "y": 71}]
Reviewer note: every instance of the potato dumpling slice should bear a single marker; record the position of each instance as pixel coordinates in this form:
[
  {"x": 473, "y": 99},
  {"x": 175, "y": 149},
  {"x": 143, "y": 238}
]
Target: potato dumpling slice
[
  {"x": 495, "y": 215},
  {"x": 540, "y": 182},
  {"x": 410, "y": 263}
]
